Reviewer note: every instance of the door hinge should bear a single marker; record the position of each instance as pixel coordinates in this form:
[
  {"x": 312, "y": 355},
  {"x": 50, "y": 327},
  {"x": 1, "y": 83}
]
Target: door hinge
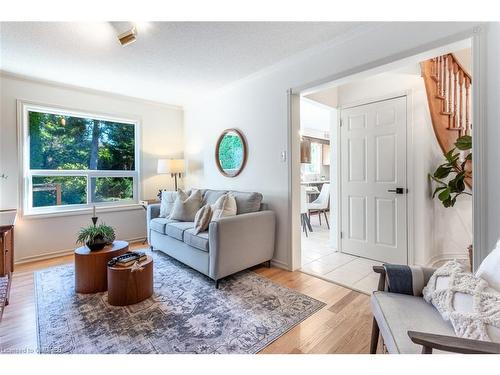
[
  {"x": 341, "y": 122},
  {"x": 341, "y": 234}
]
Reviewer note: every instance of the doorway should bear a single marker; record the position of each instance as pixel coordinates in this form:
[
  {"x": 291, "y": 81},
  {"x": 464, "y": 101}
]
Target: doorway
[{"x": 382, "y": 149}]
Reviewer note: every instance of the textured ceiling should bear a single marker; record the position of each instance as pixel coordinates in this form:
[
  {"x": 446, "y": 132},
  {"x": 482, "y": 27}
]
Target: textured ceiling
[{"x": 171, "y": 62}]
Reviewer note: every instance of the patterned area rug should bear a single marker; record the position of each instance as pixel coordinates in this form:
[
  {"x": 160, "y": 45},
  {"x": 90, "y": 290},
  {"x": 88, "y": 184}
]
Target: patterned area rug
[
  {"x": 3, "y": 294},
  {"x": 186, "y": 314}
]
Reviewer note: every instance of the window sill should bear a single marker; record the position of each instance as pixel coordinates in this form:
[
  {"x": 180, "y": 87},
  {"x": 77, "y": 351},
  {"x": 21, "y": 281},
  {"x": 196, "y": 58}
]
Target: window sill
[{"x": 82, "y": 211}]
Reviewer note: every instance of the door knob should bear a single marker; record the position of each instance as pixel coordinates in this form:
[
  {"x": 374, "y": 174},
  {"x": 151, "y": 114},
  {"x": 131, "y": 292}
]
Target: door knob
[{"x": 397, "y": 190}]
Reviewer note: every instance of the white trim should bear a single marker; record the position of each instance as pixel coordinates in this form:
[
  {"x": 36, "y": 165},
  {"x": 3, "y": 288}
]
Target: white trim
[
  {"x": 65, "y": 252},
  {"x": 440, "y": 257},
  {"x": 87, "y": 90},
  {"x": 25, "y": 180},
  {"x": 279, "y": 264},
  {"x": 479, "y": 204},
  {"x": 83, "y": 210}
]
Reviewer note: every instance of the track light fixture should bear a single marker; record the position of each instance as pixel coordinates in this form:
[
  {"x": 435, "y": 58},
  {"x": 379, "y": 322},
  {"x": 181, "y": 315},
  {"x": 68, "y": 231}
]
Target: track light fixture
[{"x": 128, "y": 37}]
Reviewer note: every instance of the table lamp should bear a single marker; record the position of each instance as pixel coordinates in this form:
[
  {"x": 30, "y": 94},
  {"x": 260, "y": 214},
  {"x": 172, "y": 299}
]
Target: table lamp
[{"x": 174, "y": 167}]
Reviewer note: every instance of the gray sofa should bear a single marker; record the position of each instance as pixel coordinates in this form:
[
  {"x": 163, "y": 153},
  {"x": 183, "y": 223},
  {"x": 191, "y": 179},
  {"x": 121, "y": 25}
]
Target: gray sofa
[{"x": 230, "y": 245}]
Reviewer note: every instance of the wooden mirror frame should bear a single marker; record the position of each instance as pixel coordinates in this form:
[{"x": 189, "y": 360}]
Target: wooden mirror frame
[{"x": 245, "y": 152}]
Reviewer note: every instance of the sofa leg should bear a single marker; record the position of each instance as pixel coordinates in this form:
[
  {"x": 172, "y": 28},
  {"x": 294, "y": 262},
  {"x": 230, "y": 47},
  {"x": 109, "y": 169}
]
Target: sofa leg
[
  {"x": 374, "y": 340},
  {"x": 268, "y": 264},
  {"x": 151, "y": 248},
  {"x": 216, "y": 284}
]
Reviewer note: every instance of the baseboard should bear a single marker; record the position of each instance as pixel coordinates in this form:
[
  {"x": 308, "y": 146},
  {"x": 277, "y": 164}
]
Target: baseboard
[
  {"x": 447, "y": 256},
  {"x": 60, "y": 253},
  {"x": 280, "y": 264}
]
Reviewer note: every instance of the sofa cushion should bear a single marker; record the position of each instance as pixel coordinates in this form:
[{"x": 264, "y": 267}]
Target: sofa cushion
[
  {"x": 158, "y": 224},
  {"x": 185, "y": 207},
  {"x": 176, "y": 230},
  {"x": 224, "y": 207},
  {"x": 247, "y": 202},
  {"x": 211, "y": 196},
  {"x": 202, "y": 218},
  {"x": 167, "y": 202},
  {"x": 396, "y": 314},
  {"x": 488, "y": 269},
  {"x": 199, "y": 241},
  {"x": 466, "y": 301}
]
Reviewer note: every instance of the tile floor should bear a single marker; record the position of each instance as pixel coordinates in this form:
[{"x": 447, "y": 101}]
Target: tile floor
[{"x": 320, "y": 260}]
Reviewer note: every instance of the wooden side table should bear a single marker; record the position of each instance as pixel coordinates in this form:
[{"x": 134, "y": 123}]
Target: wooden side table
[
  {"x": 127, "y": 286},
  {"x": 7, "y": 223},
  {"x": 91, "y": 267}
]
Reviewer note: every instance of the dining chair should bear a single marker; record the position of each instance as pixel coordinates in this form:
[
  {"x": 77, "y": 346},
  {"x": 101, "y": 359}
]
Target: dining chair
[
  {"x": 304, "y": 219},
  {"x": 321, "y": 204}
]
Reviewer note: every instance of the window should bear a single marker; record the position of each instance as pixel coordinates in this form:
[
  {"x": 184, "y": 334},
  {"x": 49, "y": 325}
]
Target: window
[
  {"x": 75, "y": 160},
  {"x": 315, "y": 166}
]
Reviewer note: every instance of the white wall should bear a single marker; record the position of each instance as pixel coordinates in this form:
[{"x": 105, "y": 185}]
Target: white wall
[
  {"x": 161, "y": 136},
  {"x": 258, "y": 106},
  {"x": 439, "y": 233}
]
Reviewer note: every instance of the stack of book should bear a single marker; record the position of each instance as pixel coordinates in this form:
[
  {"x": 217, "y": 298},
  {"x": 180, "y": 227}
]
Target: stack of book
[{"x": 127, "y": 259}]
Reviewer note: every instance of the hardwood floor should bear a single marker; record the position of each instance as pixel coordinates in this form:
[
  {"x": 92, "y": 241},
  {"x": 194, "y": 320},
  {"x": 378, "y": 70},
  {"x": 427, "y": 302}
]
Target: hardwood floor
[{"x": 342, "y": 326}]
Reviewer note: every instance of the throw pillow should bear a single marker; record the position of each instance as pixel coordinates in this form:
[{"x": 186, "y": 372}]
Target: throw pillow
[
  {"x": 202, "y": 219},
  {"x": 466, "y": 301},
  {"x": 185, "y": 207},
  {"x": 167, "y": 202},
  {"x": 223, "y": 207},
  {"x": 489, "y": 269}
]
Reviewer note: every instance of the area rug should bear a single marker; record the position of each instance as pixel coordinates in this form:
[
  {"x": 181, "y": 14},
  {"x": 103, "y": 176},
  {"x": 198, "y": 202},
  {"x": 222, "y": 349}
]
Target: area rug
[{"x": 186, "y": 314}]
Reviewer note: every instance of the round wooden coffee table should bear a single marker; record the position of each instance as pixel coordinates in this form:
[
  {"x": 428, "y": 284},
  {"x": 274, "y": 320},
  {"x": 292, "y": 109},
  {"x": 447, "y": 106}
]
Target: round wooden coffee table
[
  {"x": 127, "y": 286},
  {"x": 91, "y": 267}
]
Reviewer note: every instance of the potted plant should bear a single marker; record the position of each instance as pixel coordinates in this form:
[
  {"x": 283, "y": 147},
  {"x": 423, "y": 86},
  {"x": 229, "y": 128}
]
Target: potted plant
[
  {"x": 96, "y": 236},
  {"x": 450, "y": 176}
]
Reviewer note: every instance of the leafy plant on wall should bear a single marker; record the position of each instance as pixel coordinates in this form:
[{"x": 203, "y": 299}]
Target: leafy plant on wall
[{"x": 450, "y": 176}]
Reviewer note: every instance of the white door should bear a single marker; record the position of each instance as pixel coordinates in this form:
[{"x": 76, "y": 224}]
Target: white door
[{"x": 373, "y": 181}]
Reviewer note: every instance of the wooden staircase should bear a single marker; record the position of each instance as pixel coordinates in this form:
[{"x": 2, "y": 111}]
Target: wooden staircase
[{"x": 448, "y": 87}]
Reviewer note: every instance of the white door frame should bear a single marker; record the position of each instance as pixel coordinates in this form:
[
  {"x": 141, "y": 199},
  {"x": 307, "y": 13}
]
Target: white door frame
[
  {"x": 410, "y": 195},
  {"x": 480, "y": 240}
]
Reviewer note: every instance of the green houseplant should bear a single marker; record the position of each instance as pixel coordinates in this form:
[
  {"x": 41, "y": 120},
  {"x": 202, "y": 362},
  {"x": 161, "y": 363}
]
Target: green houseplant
[
  {"x": 96, "y": 236},
  {"x": 450, "y": 176}
]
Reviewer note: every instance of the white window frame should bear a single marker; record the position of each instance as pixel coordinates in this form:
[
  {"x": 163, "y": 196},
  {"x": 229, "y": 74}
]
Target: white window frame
[{"x": 26, "y": 196}]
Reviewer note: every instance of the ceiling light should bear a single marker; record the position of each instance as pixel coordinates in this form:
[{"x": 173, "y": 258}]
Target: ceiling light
[{"x": 128, "y": 37}]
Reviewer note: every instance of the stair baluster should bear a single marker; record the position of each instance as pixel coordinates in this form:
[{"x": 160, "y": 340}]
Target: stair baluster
[{"x": 449, "y": 89}]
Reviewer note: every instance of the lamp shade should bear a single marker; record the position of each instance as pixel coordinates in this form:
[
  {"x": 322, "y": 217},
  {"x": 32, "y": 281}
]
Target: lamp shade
[{"x": 170, "y": 166}]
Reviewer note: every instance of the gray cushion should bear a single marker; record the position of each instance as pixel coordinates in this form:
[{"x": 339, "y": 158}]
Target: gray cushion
[
  {"x": 396, "y": 314},
  {"x": 159, "y": 224},
  {"x": 176, "y": 230},
  {"x": 211, "y": 196},
  {"x": 199, "y": 241},
  {"x": 247, "y": 202}
]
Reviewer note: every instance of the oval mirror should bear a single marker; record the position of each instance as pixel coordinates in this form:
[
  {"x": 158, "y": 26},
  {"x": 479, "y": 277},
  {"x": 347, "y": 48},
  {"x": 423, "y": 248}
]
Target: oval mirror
[{"x": 231, "y": 153}]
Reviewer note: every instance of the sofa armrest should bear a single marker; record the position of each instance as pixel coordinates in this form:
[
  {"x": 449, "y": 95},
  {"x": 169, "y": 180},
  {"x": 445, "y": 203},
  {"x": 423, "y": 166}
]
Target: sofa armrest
[
  {"x": 241, "y": 241},
  {"x": 453, "y": 344},
  {"x": 381, "y": 281},
  {"x": 408, "y": 283},
  {"x": 153, "y": 211}
]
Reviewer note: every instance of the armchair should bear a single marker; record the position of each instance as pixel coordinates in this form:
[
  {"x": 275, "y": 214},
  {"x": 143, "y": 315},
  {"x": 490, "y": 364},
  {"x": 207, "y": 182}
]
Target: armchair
[{"x": 409, "y": 325}]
